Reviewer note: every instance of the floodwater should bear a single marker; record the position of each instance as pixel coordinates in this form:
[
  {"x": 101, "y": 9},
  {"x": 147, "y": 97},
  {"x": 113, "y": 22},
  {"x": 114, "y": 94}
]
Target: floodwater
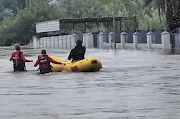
[{"x": 132, "y": 85}]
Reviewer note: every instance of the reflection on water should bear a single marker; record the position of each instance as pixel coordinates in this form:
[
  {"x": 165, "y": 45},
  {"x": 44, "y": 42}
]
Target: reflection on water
[{"x": 131, "y": 85}]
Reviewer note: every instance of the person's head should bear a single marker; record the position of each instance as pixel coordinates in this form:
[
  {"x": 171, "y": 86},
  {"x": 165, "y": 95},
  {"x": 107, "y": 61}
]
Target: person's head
[
  {"x": 17, "y": 47},
  {"x": 79, "y": 43},
  {"x": 43, "y": 52}
]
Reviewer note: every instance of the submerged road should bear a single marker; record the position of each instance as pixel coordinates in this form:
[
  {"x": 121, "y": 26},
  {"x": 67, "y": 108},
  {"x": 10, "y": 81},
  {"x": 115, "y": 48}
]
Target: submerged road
[{"x": 131, "y": 85}]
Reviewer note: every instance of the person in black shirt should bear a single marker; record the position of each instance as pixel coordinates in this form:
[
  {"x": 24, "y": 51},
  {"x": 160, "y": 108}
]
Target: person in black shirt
[{"x": 78, "y": 52}]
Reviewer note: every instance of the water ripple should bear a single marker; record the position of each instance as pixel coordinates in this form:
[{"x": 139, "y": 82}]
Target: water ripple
[{"x": 132, "y": 85}]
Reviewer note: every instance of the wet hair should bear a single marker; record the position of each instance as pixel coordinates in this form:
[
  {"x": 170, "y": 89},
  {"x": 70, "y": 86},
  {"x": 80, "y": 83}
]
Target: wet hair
[
  {"x": 43, "y": 52},
  {"x": 17, "y": 47},
  {"x": 79, "y": 43}
]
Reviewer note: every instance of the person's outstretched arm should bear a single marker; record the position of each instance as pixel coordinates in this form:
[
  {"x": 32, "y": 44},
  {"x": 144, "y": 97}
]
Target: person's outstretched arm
[
  {"x": 11, "y": 58},
  {"x": 24, "y": 59},
  {"x": 51, "y": 60},
  {"x": 37, "y": 62}
]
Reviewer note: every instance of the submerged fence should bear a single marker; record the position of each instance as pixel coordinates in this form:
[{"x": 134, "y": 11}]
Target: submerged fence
[{"x": 102, "y": 40}]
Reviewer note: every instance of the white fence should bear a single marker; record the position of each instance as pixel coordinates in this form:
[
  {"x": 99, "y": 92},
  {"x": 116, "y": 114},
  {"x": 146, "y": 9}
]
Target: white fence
[
  {"x": 55, "y": 42},
  {"x": 68, "y": 41}
]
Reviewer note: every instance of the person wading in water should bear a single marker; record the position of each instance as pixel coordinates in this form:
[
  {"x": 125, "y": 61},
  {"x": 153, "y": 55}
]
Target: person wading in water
[
  {"x": 18, "y": 59},
  {"x": 44, "y": 62}
]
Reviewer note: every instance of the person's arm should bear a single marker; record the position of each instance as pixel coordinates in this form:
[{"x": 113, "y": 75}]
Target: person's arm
[
  {"x": 11, "y": 58},
  {"x": 24, "y": 59},
  {"x": 51, "y": 60},
  {"x": 37, "y": 62},
  {"x": 84, "y": 50},
  {"x": 70, "y": 55}
]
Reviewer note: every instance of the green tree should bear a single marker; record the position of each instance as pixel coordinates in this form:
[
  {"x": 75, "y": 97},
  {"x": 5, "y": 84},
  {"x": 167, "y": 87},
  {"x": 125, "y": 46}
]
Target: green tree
[
  {"x": 18, "y": 17},
  {"x": 171, "y": 8},
  {"x": 22, "y": 27},
  {"x": 13, "y": 5}
]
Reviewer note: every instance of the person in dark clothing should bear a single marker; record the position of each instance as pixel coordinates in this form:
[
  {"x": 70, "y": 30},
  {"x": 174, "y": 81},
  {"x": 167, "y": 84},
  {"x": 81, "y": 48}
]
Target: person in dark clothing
[
  {"x": 44, "y": 62},
  {"x": 18, "y": 59},
  {"x": 78, "y": 52}
]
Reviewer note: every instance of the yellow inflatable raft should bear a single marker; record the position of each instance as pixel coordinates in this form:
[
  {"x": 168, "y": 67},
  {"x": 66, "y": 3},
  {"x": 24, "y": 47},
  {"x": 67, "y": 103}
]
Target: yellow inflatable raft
[
  {"x": 86, "y": 65},
  {"x": 57, "y": 67}
]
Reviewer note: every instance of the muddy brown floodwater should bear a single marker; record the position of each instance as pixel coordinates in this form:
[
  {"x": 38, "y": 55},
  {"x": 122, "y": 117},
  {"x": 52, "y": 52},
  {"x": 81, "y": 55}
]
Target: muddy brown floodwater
[{"x": 132, "y": 85}]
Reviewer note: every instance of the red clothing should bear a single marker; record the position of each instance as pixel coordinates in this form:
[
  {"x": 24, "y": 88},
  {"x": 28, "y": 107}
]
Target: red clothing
[
  {"x": 21, "y": 59},
  {"x": 49, "y": 59}
]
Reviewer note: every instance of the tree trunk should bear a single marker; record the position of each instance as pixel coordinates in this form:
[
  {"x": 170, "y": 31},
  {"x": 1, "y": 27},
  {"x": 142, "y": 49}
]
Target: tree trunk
[
  {"x": 172, "y": 22},
  {"x": 170, "y": 16}
]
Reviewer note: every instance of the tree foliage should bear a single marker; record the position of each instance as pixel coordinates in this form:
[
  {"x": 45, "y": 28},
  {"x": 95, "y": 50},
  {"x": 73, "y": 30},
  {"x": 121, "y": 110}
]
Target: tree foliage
[
  {"x": 18, "y": 17},
  {"x": 171, "y": 9}
]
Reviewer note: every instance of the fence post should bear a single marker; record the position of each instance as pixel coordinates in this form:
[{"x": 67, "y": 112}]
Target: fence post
[
  {"x": 176, "y": 40},
  {"x": 62, "y": 42},
  {"x": 150, "y": 35},
  {"x": 39, "y": 42},
  {"x": 46, "y": 42},
  {"x": 54, "y": 42},
  {"x": 50, "y": 41},
  {"x": 35, "y": 42},
  {"x": 124, "y": 35},
  {"x": 84, "y": 39},
  {"x": 66, "y": 41},
  {"x": 111, "y": 35},
  {"x": 135, "y": 39},
  {"x": 101, "y": 39},
  {"x": 179, "y": 38},
  {"x": 74, "y": 40},
  {"x": 42, "y": 42},
  {"x": 58, "y": 42},
  {"x": 90, "y": 41},
  {"x": 165, "y": 37}
]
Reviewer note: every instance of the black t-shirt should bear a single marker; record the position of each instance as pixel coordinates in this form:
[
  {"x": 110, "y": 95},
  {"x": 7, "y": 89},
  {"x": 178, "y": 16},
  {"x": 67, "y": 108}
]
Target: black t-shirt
[{"x": 77, "y": 53}]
